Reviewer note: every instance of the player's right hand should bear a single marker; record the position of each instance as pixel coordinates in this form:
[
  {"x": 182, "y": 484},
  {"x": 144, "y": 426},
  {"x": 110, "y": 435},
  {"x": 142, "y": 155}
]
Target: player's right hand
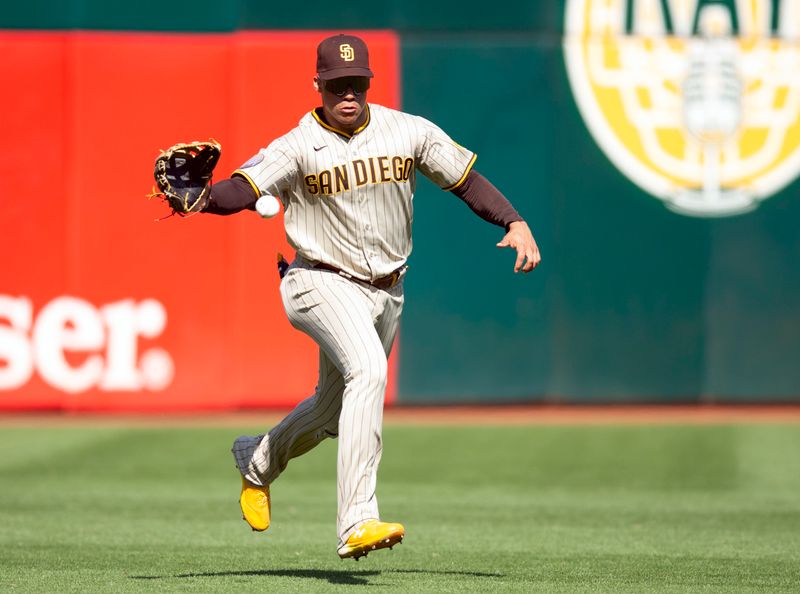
[{"x": 520, "y": 238}]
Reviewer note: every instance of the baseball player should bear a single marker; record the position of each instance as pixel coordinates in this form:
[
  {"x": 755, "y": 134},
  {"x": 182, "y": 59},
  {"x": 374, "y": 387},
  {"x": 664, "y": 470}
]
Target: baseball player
[{"x": 346, "y": 177}]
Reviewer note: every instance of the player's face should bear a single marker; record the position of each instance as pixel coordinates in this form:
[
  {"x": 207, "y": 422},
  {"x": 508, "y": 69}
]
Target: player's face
[{"x": 343, "y": 100}]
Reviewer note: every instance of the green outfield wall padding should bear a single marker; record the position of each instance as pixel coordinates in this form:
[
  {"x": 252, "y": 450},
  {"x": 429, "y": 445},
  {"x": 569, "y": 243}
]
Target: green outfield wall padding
[
  {"x": 142, "y": 15},
  {"x": 632, "y": 302},
  {"x": 466, "y": 16},
  {"x": 507, "y": 16},
  {"x": 469, "y": 320}
]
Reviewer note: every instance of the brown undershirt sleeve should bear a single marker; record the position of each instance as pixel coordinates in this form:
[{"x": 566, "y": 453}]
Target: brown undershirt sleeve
[
  {"x": 230, "y": 196},
  {"x": 486, "y": 201}
]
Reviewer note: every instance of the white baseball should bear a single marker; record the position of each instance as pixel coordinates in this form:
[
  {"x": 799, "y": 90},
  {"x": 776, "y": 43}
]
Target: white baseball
[{"x": 268, "y": 206}]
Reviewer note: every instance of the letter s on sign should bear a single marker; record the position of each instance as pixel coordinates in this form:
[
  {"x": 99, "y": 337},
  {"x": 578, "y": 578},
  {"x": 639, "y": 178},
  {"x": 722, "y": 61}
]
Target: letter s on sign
[{"x": 15, "y": 349}]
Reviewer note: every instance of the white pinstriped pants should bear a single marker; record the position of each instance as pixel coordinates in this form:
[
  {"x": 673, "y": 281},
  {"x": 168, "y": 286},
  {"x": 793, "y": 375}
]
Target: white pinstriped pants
[{"x": 354, "y": 325}]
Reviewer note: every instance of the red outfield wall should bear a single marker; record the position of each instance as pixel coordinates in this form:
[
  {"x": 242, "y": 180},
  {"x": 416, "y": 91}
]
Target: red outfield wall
[{"x": 101, "y": 307}]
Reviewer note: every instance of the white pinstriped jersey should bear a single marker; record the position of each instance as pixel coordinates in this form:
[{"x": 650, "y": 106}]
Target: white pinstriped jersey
[{"x": 348, "y": 199}]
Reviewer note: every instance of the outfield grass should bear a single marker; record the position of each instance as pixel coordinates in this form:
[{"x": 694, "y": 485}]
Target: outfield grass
[{"x": 505, "y": 509}]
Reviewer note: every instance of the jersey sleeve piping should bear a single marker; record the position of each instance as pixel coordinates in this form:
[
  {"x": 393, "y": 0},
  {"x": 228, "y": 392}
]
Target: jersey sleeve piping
[
  {"x": 250, "y": 181},
  {"x": 463, "y": 177}
]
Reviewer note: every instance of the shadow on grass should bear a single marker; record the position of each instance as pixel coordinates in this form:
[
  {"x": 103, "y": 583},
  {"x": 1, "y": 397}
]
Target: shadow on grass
[{"x": 350, "y": 578}]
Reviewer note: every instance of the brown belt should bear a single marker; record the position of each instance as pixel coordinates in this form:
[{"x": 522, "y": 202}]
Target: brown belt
[{"x": 383, "y": 283}]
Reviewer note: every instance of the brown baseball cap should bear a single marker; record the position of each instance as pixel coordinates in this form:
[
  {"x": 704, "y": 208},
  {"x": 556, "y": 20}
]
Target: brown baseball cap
[{"x": 342, "y": 55}]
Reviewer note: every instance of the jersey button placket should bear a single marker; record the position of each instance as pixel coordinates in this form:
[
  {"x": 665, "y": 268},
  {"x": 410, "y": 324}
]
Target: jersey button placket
[
  {"x": 361, "y": 201},
  {"x": 351, "y": 150}
]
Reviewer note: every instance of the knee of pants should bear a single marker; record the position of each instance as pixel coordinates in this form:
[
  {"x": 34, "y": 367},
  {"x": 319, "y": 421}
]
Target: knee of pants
[
  {"x": 330, "y": 429},
  {"x": 328, "y": 413},
  {"x": 369, "y": 377}
]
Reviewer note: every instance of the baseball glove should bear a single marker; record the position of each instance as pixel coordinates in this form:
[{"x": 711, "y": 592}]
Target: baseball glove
[{"x": 183, "y": 175}]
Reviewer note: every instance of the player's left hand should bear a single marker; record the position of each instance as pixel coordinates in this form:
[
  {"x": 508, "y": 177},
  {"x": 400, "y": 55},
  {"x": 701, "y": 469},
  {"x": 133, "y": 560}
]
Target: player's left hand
[
  {"x": 520, "y": 238},
  {"x": 183, "y": 175}
]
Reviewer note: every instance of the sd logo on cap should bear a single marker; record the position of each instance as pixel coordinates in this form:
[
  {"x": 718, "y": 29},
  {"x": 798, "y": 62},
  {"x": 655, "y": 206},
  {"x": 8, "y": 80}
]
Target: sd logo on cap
[{"x": 342, "y": 55}]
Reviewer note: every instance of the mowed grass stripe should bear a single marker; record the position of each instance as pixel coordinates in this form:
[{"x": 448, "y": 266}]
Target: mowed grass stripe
[{"x": 627, "y": 508}]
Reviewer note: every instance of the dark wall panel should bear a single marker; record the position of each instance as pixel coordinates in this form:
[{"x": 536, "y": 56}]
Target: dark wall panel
[
  {"x": 472, "y": 327},
  {"x": 506, "y": 16}
]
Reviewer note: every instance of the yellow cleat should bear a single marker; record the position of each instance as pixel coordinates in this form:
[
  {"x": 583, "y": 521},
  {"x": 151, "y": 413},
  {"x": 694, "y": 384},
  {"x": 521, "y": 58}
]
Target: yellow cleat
[
  {"x": 371, "y": 536},
  {"x": 255, "y": 504}
]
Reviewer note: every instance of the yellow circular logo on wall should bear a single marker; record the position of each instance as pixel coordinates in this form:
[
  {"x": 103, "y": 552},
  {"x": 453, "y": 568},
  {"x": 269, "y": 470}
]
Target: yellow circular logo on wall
[{"x": 697, "y": 102}]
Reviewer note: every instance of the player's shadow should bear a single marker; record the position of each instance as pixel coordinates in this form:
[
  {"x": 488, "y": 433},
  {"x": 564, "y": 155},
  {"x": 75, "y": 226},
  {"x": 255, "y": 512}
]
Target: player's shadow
[{"x": 335, "y": 576}]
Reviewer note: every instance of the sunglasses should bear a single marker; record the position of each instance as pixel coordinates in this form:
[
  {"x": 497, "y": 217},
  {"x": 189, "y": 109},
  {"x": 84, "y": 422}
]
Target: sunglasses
[{"x": 339, "y": 86}]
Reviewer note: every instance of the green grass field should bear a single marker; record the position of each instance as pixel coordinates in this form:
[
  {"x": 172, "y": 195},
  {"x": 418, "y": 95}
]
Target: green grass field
[{"x": 665, "y": 508}]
